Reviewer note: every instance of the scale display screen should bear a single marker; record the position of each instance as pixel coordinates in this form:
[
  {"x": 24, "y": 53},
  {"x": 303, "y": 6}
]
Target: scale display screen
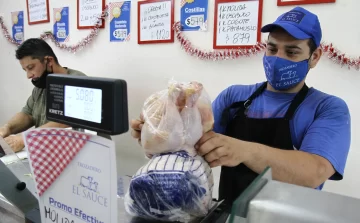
[
  {"x": 92, "y": 103},
  {"x": 83, "y": 103}
]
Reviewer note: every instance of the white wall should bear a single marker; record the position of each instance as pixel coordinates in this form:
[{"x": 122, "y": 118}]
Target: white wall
[{"x": 147, "y": 68}]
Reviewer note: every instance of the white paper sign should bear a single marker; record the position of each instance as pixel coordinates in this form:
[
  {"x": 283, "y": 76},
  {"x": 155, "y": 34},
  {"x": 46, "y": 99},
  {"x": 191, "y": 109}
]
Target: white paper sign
[
  {"x": 89, "y": 12},
  {"x": 86, "y": 189},
  {"x": 37, "y": 10},
  {"x": 237, "y": 23},
  {"x": 155, "y": 21}
]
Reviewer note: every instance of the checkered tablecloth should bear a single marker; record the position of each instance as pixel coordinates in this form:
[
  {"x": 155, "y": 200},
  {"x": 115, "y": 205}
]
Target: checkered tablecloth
[
  {"x": 114, "y": 5},
  {"x": 50, "y": 151}
]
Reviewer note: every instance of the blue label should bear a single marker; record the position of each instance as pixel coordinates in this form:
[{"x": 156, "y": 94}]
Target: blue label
[
  {"x": 18, "y": 26},
  {"x": 61, "y": 25},
  {"x": 293, "y": 16},
  {"x": 194, "y": 15},
  {"x": 120, "y": 21}
]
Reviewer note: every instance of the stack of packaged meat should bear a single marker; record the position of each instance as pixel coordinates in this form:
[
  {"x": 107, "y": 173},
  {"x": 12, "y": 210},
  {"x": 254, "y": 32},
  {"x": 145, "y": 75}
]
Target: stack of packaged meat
[{"x": 176, "y": 184}]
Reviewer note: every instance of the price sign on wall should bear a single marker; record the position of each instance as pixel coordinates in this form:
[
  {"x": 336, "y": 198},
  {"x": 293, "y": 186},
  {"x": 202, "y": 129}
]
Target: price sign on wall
[
  {"x": 120, "y": 21},
  {"x": 155, "y": 21},
  {"x": 237, "y": 23},
  {"x": 61, "y": 24},
  {"x": 88, "y": 13},
  {"x": 18, "y": 26},
  {"x": 38, "y": 11},
  {"x": 194, "y": 15}
]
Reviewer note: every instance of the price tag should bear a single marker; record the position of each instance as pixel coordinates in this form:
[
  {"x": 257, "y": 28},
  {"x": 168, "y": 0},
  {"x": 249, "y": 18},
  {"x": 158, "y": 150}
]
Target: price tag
[
  {"x": 18, "y": 26},
  {"x": 161, "y": 34},
  {"x": 19, "y": 37},
  {"x": 238, "y": 38},
  {"x": 236, "y": 24},
  {"x": 155, "y": 21},
  {"x": 194, "y": 15},
  {"x": 61, "y": 34},
  {"x": 120, "y": 33},
  {"x": 120, "y": 21},
  {"x": 61, "y": 25},
  {"x": 88, "y": 13},
  {"x": 195, "y": 21}
]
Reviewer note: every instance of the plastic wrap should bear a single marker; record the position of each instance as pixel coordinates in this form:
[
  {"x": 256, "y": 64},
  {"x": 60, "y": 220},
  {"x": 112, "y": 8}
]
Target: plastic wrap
[
  {"x": 176, "y": 118},
  {"x": 176, "y": 184}
]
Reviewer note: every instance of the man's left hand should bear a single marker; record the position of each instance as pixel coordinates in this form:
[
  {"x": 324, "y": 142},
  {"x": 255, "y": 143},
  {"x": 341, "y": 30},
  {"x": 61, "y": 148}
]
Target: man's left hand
[
  {"x": 15, "y": 142},
  {"x": 221, "y": 150}
]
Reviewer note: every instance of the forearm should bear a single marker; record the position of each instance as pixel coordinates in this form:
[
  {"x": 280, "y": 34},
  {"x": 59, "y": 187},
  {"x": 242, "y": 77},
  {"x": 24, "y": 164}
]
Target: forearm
[
  {"x": 295, "y": 167},
  {"x": 19, "y": 123},
  {"x": 54, "y": 125}
]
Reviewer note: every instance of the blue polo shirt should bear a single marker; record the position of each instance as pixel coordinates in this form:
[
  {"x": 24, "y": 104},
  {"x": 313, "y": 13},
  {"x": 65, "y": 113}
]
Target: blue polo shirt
[{"x": 321, "y": 124}]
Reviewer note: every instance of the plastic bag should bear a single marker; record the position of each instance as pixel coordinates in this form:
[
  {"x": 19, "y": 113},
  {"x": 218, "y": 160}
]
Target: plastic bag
[
  {"x": 176, "y": 118},
  {"x": 176, "y": 184}
]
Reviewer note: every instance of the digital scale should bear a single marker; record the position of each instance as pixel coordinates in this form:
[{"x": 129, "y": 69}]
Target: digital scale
[
  {"x": 91, "y": 103},
  {"x": 97, "y": 104}
]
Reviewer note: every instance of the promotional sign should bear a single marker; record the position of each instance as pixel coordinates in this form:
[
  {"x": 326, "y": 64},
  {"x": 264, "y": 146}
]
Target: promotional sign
[
  {"x": 75, "y": 175},
  {"x": 18, "y": 26},
  {"x": 120, "y": 21},
  {"x": 194, "y": 15},
  {"x": 61, "y": 25}
]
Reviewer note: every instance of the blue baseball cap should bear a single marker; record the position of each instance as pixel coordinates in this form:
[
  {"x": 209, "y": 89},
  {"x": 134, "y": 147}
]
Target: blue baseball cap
[{"x": 299, "y": 23}]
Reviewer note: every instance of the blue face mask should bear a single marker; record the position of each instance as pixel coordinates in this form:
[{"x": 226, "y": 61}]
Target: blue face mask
[{"x": 284, "y": 74}]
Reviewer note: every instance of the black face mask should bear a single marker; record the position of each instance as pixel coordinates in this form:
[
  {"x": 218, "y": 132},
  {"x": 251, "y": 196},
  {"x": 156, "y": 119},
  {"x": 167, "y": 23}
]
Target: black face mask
[{"x": 41, "y": 81}]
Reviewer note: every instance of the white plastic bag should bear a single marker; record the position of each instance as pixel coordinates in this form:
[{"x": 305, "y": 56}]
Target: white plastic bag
[
  {"x": 176, "y": 118},
  {"x": 176, "y": 184}
]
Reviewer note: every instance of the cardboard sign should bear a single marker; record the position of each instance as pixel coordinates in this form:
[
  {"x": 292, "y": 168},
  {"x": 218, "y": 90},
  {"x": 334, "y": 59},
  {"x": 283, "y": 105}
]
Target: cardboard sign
[
  {"x": 75, "y": 175},
  {"x": 61, "y": 24},
  {"x": 194, "y": 15},
  {"x": 120, "y": 21}
]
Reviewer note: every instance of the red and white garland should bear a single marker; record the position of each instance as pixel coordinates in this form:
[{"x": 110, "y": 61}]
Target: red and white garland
[
  {"x": 49, "y": 35},
  {"x": 335, "y": 55},
  {"x": 332, "y": 53}
]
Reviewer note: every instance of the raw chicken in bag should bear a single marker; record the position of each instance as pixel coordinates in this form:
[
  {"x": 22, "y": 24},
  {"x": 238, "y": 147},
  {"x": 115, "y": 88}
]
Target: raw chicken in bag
[{"x": 176, "y": 184}]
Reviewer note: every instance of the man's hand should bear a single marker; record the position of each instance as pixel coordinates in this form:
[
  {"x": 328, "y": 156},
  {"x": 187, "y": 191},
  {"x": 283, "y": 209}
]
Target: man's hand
[
  {"x": 221, "y": 150},
  {"x": 136, "y": 126},
  {"x": 5, "y": 131},
  {"x": 16, "y": 142}
]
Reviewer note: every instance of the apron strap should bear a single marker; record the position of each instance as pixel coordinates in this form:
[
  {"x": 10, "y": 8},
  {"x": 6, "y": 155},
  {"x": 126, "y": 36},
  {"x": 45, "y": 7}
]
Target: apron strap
[
  {"x": 226, "y": 113},
  {"x": 298, "y": 99},
  {"x": 255, "y": 94}
]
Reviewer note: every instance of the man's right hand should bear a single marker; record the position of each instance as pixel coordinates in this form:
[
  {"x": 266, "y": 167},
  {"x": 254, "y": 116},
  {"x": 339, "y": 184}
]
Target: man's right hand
[
  {"x": 5, "y": 131},
  {"x": 136, "y": 126}
]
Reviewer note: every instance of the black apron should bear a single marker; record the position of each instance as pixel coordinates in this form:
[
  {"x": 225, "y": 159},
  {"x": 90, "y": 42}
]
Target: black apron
[{"x": 273, "y": 132}]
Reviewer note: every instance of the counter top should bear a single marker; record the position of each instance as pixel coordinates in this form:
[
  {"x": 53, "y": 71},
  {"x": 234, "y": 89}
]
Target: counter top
[{"x": 21, "y": 168}]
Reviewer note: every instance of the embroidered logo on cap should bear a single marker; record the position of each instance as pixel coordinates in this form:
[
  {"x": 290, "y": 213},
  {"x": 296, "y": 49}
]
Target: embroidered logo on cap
[{"x": 293, "y": 16}]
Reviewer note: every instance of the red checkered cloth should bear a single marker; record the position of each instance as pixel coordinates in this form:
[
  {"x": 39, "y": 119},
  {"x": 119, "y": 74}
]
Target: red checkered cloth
[
  {"x": 127, "y": 38},
  {"x": 183, "y": 2},
  {"x": 50, "y": 151},
  {"x": 114, "y": 5},
  {"x": 55, "y": 11}
]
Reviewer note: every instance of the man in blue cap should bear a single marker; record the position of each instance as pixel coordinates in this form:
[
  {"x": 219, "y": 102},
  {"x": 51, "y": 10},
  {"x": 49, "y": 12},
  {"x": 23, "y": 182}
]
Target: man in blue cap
[{"x": 302, "y": 133}]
